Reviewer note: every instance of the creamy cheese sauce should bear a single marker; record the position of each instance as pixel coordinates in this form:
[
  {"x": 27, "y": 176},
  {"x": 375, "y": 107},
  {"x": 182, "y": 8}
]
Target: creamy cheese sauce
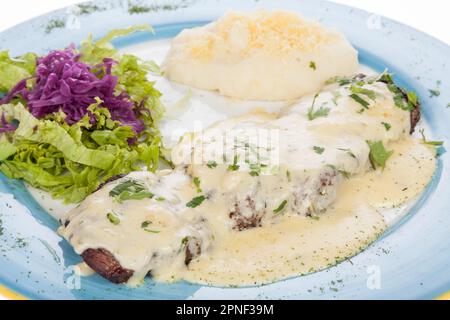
[
  {"x": 306, "y": 208},
  {"x": 296, "y": 245}
]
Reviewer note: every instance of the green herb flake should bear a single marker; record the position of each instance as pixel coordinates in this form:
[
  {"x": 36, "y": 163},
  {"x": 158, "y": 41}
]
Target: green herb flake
[
  {"x": 54, "y": 24},
  {"x": 195, "y": 202},
  {"x": 145, "y": 224},
  {"x": 234, "y": 166},
  {"x": 138, "y": 9},
  {"x": 255, "y": 169},
  {"x": 360, "y": 100},
  {"x": 378, "y": 154},
  {"x": 318, "y": 150},
  {"x": 288, "y": 176},
  {"x": 386, "y": 125},
  {"x": 113, "y": 218},
  {"x": 184, "y": 241},
  {"x": 211, "y": 164},
  {"x": 407, "y": 101},
  {"x": 431, "y": 143},
  {"x": 367, "y": 92},
  {"x": 197, "y": 184},
  {"x": 412, "y": 97},
  {"x": 280, "y": 207},
  {"x": 321, "y": 112},
  {"x": 130, "y": 190},
  {"x": 312, "y": 65},
  {"x": 434, "y": 93}
]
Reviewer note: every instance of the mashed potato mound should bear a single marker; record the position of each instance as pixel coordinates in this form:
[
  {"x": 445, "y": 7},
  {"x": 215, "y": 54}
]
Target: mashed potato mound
[{"x": 260, "y": 56}]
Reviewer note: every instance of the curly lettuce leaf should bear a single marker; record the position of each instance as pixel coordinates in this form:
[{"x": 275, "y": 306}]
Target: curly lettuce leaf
[
  {"x": 93, "y": 52},
  {"x": 132, "y": 74},
  {"x": 12, "y": 70},
  {"x": 47, "y": 131},
  {"x": 71, "y": 160},
  {"x": 7, "y": 149}
]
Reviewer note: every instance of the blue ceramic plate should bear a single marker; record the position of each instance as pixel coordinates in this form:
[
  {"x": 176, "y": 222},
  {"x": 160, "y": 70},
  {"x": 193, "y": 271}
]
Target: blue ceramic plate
[{"x": 410, "y": 261}]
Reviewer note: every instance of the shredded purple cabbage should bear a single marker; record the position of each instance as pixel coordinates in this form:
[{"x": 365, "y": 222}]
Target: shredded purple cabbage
[
  {"x": 64, "y": 83},
  {"x": 5, "y": 126}
]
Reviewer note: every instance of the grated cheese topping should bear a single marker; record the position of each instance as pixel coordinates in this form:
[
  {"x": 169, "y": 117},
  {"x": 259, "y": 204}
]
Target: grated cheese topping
[{"x": 275, "y": 32}]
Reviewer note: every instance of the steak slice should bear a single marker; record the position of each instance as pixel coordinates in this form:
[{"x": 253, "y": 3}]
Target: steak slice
[
  {"x": 243, "y": 222},
  {"x": 415, "y": 117},
  {"x": 415, "y": 113},
  {"x": 105, "y": 264}
]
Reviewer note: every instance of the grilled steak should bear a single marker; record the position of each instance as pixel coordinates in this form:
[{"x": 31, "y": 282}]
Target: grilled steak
[
  {"x": 305, "y": 195},
  {"x": 105, "y": 264},
  {"x": 415, "y": 117}
]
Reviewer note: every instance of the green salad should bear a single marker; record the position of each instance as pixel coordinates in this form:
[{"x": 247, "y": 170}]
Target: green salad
[{"x": 76, "y": 118}]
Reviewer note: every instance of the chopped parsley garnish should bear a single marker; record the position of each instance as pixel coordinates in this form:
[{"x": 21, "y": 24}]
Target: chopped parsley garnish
[
  {"x": 318, "y": 150},
  {"x": 234, "y": 166},
  {"x": 211, "y": 164},
  {"x": 195, "y": 202},
  {"x": 378, "y": 154},
  {"x": 399, "y": 98},
  {"x": 160, "y": 199},
  {"x": 184, "y": 241},
  {"x": 280, "y": 207},
  {"x": 197, "y": 184},
  {"x": 367, "y": 92},
  {"x": 321, "y": 112},
  {"x": 405, "y": 100},
  {"x": 399, "y": 101},
  {"x": 431, "y": 143},
  {"x": 339, "y": 80},
  {"x": 386, "y": 125},
  {"x": 130, "y": 190},
  {"x": 255, "y": 169},
  {"x": 288, "y": 175},
  {"x": 113, "y": 218},
  {"x": 360, "y": 100},
  {"x": 145, "y": 224},
  {"x": 312, "y": 65},
  {"x": 412, "y": 97}
]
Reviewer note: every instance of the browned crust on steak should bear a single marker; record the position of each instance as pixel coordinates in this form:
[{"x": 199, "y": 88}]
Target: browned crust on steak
[
  {"x": 246, "y": 222},
  {"x": 105, "y": 264},
  {"x": 414, "y": 114},
  {"x": 415, "y": 117},
  {"x": 192, "y": 251}
]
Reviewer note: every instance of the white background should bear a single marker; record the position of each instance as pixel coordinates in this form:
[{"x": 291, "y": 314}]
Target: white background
[{"x": 429, "y": 16}]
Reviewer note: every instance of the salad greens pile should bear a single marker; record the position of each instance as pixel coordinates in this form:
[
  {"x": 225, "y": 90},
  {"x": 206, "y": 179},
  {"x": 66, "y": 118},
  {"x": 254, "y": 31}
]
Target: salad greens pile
[{"x": 76, "y": 118}]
